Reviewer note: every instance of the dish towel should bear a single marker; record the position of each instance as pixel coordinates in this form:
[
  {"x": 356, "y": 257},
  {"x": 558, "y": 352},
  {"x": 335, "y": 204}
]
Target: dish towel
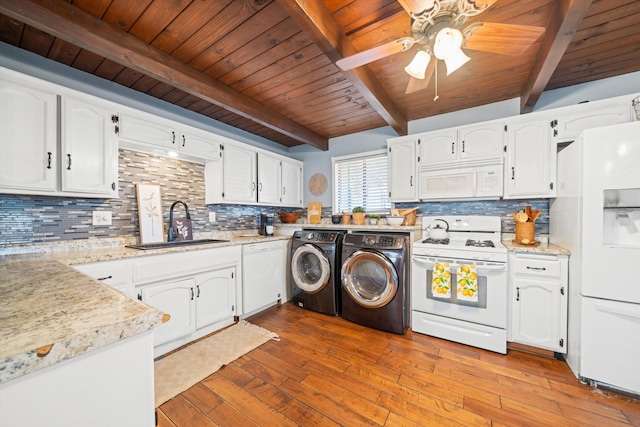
[
  {"x": 467, "y": 284},
  {"x": 441, "y": 281}
]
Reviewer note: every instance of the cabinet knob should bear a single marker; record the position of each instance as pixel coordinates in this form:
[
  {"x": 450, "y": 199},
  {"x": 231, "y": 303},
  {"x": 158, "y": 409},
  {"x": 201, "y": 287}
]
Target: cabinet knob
[
  {"x": 68, "y": 162},
  {"x": 49, "y": 160}
]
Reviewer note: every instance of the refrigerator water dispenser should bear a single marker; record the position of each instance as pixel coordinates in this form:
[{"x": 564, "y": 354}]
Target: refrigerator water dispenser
[{"x": 621, "y": 217}]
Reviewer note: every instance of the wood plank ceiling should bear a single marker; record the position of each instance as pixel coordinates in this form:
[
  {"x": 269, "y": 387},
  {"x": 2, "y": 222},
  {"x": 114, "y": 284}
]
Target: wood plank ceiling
[{"x": 268, "y": 67}]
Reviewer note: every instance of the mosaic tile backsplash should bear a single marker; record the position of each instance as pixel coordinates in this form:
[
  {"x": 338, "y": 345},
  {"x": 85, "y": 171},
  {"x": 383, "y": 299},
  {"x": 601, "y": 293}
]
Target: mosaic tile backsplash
[{"x": 30, "y": 219}]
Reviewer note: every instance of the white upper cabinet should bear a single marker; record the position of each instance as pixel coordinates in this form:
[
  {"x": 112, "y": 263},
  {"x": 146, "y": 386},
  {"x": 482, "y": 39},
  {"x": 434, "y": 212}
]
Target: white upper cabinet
[
  {"x": 55, "y": 141},
  {"x": 483, "y": 141},
  {"x": 89, "y": 148},
  {"x": 239, "y": 176},
  {"x": 476, "y": 142},
  {"x": 146, "y": 132},
  {"x": 269, "y": 177},
  {"x": 252, "y": 176},
  {"x": 402, "y": 164},
  {"x": 531, "y": 158},
  {"x": 291, "y": 182},
  {"x": 28, "y": 141},
  {"x": 568, "y": 123},
  {"x": 439, "y": 147}
]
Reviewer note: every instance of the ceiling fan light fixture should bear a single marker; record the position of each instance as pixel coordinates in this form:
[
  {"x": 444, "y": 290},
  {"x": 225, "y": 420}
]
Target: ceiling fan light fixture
[
  {"x": 455, "y": 61},
  {"x": 447, "y": 43},
  {"x": 418, "y": 66}
]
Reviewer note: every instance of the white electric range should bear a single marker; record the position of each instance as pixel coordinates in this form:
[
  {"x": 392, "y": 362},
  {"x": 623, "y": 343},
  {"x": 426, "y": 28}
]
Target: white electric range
[{"x": 459, "y": 284}]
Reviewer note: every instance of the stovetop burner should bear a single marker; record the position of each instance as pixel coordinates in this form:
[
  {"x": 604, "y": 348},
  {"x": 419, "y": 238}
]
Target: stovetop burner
[
  {"x": 436, "y": 241},
  {"x": 480, "y": 243}
]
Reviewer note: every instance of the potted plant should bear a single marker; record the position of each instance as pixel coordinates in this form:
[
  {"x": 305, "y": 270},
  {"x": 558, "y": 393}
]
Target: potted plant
[
  {"x": 358, "y": 214},
  {"x": 373, "y": 219}
]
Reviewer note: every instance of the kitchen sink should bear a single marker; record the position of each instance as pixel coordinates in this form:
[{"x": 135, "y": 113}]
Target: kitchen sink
[{"x": 175, "y": 243}]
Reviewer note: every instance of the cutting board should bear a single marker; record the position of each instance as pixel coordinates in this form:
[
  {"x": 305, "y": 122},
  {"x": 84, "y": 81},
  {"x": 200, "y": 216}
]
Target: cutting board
[{"x": 314, "y": 212}]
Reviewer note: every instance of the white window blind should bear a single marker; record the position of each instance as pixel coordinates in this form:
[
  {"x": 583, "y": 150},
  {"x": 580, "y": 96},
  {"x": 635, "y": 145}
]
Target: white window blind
[{"x": 361, "y": 180}]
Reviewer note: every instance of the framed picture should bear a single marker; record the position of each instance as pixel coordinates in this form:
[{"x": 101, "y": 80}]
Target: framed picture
[{"x": 150, "y": 213}]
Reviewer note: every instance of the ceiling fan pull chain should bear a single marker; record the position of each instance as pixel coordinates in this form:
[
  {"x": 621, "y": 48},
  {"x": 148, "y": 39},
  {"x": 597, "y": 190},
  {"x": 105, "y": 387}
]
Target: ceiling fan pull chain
[{"x": 436, "y": 71}]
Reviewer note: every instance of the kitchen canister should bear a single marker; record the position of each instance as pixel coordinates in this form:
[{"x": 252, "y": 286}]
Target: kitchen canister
[
  {"x": 314, "y": 212},
  {"x": 525, "y": 232}
]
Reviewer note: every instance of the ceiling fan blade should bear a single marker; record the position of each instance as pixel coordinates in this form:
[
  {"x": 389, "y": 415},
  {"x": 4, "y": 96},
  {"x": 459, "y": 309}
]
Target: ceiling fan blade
[
  {"x": 416, "y": 85},
  {"x": 416, "y": 6},
  {"x": 379, "y": 52},
  {"x": 506, "y": 39}
]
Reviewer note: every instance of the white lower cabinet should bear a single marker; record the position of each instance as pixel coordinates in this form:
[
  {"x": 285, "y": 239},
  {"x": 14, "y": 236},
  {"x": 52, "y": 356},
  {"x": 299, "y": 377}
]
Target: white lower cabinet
[
  {"x": 118, "y": 274},
  {"x": 215, "y": 296},
  {"x": 177, "y": 298},
  {"x": 538, "y": 296}
]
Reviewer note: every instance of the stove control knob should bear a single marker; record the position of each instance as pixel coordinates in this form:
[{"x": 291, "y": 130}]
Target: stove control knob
[
  {"x": 475, "y": 256},
  {"x": 486, "y": 256}
]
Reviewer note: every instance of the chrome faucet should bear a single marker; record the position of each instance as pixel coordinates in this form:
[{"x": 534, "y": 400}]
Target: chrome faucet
[{"x": 171, "y": 236}]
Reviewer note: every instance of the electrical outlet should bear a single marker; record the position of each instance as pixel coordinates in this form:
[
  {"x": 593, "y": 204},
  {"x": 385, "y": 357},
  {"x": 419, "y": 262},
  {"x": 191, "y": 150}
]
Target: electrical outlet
[
  {"x": 101, "y": 217},
  {"x": 212, "y": 217}
]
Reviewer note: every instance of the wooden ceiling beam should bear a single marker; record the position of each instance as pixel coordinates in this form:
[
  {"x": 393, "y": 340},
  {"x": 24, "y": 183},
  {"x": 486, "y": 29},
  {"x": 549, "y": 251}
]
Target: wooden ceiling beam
[
  {"x": 316, "y": 19},
  {"x": 69, "y": 23},
  {"x": 565, "y": 21}
]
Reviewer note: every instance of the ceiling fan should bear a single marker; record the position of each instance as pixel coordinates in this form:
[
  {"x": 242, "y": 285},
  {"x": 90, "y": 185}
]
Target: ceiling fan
[{"x": 437, "y": 28}]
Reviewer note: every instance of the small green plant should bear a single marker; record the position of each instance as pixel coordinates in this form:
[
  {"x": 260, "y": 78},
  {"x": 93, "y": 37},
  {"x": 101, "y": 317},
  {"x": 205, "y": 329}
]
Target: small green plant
[
  {"x": 374, "y": 216},
  {"x": 358, "y": 209}
]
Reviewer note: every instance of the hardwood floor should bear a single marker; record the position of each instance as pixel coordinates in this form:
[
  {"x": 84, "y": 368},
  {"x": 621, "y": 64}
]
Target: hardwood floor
[{"x": 326, "y": 371}]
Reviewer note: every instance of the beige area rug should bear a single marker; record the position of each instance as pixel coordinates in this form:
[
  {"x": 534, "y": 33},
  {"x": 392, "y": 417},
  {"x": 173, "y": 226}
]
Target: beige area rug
[{"x": 180, "y": 370}]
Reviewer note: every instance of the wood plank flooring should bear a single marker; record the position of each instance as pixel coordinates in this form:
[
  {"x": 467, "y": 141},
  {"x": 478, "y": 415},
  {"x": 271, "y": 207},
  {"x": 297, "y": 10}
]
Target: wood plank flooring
[{"x": 326, "y": 371}]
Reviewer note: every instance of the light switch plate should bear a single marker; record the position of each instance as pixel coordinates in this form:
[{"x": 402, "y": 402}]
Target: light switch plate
[
  {"x": 212, "y": 217},
  {"x": 101, "y": 217}
]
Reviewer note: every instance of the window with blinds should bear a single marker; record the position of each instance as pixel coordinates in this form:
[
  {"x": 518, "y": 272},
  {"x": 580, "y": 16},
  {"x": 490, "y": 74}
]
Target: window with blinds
[{"x": 361, "y": 180}]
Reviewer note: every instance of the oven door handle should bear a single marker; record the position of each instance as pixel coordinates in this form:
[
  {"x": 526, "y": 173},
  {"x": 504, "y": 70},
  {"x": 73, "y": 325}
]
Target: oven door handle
[{"x": 481, "y": 267}]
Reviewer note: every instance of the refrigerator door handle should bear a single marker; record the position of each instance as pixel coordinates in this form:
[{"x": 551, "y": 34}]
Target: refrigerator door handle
[{"x": 618, "y": 312}]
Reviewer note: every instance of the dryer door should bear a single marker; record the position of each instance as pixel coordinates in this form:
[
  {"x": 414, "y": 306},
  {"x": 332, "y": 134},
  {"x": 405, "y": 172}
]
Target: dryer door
[
  {"x": 370, "y": 278},
  {"x": 310, "y": 268}
]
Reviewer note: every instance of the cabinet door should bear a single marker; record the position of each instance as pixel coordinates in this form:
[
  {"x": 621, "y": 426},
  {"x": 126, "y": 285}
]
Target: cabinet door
[
  {"x": 568, "y": 126},
  {"x": 481, "y": 142},
  {"x": 28, "y": 156},
  {"x": 117, "y": 274},
  {"x": 291, "y": 183},
  {"x": 536, "y": 312},
  {"x": 89, "y": 149},
  {"x": 402, "y": 164},
  {"x": 438, "y": 147},
  {"x": 177, "y": 298},
  {"x": 199, "y": 143},
  {"x": 239, "y": 174},
  {"x": 529, "y": 166},
  {"x": 215, "y": 296},
  {"x": 213, "y": 187},
  {"x": 268, "y": 179},
  {"x": 148, "y": 130}
]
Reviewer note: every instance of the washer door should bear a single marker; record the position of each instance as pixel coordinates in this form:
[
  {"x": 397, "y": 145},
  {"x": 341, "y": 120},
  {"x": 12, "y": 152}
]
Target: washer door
[
  {"x": 310, "y": 268},
  {"x": 370, "y": 278}
]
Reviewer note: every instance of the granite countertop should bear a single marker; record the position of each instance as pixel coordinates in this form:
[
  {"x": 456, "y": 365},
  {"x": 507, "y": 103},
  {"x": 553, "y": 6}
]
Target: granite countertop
[
  {"x": 543, "y": 248},
  {"x": 44, "y": 302}
]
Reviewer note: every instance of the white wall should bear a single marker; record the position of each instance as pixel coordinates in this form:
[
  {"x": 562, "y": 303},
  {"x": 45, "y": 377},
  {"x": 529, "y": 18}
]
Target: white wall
[{"x": 316, "y": 161}]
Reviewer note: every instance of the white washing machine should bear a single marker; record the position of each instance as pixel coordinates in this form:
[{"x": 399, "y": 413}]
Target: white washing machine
[{"x": 315, "y": 268}]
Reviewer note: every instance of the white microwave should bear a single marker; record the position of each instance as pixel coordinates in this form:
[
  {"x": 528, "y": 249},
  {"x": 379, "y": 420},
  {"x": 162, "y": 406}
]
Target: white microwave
[{"x": 462, "y": 180}]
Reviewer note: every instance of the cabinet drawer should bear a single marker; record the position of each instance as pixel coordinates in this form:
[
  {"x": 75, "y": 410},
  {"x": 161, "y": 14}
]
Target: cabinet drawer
[
  {"x": 111, "y": 273},
  {"x": 540, "y": 265},
  {"x": 147, "y": 269}
]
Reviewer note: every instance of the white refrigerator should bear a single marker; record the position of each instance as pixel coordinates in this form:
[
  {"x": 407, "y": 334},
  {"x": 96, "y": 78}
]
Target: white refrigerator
[{"x": 597, "y": 216}]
